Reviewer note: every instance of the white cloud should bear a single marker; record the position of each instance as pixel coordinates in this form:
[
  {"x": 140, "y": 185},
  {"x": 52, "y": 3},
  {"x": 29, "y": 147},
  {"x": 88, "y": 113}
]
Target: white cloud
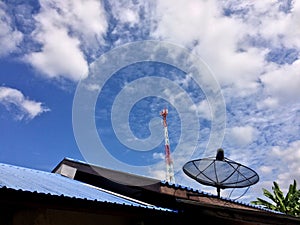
[
  {"x": 93, "y": 87},
  {"x": 10, "y": 38},
  {"x": 218, "y": 40},
  {"x": 157, "y": 173},
  {"x": 86, "y": 19},
  {"x": 282, "y": 83},
  {"x": 158, "y": 155},
  {"x": 266, "y": 169},
  {"x": 60, "y": 56},
  {"x": 23, "y": 108},
  {"x": 278, "y": 27},
  {"x": 267, "y": 21},
  {"x": 183, "y": 21},
  {"x": 242, "y": 136},
  {"x": 127, "y": 11},
  {"x": 293, "y": 28},
  {"x": 202, "y": 109},
  {"x": 235, "y": 46},
  {"x": 133, "y": 20},
  {"x": 129, "y": 16},
  {"x": 66, "y": 30},
  {"x": 269, "y": 102},
  {"x": 289, "y": 160}
]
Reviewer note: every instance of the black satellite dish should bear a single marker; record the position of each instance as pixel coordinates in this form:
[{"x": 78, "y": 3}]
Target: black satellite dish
[{"x": 220, "y": 172}]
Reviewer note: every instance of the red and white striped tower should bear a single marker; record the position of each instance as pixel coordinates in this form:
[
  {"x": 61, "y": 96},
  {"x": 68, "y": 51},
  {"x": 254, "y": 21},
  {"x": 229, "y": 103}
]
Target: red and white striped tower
[{"x": 169, "y": 162}]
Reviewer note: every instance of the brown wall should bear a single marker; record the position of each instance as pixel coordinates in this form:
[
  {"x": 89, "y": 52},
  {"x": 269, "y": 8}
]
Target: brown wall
[{"x": 65, "y": 217}]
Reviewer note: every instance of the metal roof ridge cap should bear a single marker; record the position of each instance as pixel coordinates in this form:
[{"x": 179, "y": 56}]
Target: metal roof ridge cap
[{"x": 164, "y": 182}]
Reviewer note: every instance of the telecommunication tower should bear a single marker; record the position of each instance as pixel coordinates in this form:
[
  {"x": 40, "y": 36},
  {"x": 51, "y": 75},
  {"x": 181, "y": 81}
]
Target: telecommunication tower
[{"x": 169, "y": 162}]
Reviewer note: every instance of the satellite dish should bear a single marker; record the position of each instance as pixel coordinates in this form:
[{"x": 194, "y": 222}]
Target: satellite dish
[{"x": 220, "y": 172}]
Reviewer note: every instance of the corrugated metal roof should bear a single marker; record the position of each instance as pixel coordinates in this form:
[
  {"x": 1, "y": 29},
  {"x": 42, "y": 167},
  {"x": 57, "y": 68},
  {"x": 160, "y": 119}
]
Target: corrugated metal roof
[{"x": 25, "y": 179}]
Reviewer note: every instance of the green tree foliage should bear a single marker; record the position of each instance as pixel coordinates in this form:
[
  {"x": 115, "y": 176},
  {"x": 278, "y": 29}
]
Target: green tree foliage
[{"x": 289, "y": 204}]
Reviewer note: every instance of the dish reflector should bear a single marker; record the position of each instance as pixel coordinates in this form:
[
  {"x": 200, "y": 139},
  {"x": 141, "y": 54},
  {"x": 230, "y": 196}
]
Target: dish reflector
[{"x": 220, "y": 172}]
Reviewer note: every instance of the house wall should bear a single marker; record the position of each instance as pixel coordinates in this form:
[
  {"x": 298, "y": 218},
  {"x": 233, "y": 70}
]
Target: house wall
[
  {"x": 65, "y": 217},
  {"x": 31, "y": 213},
  {"x": 32, "y": 208},
  {"x": 49, "y": 216}
]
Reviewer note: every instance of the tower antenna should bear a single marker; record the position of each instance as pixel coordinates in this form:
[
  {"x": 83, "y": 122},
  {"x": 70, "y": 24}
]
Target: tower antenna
[{"x": 169, "y": 162}]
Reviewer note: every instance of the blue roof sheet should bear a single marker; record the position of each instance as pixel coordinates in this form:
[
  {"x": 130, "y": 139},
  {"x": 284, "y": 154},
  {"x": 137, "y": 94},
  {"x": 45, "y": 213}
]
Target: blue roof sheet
[{"x": 25, "y": 179}]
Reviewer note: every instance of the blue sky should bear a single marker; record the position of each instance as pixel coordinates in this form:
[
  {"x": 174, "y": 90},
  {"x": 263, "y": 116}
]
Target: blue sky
[{"x": 52, "y": 52}]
